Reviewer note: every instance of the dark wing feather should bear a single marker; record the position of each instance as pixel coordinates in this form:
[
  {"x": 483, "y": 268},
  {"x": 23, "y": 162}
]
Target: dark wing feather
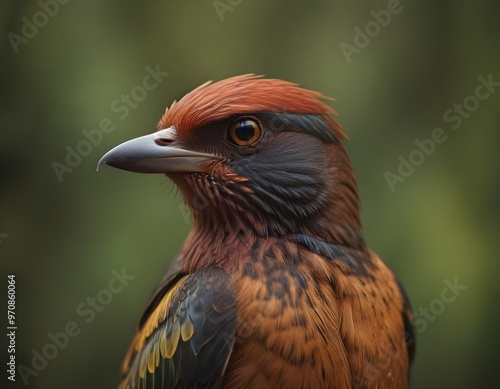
[{"x": 188, "y": 337}]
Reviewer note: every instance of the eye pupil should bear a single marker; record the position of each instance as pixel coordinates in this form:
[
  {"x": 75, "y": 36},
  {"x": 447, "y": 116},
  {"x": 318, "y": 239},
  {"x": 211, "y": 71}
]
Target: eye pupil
[{"x": 244, "y": 132}]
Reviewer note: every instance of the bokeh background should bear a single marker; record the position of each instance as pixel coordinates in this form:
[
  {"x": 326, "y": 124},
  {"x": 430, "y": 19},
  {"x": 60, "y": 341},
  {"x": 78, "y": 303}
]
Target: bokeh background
[{"x": 63, "y": 236}]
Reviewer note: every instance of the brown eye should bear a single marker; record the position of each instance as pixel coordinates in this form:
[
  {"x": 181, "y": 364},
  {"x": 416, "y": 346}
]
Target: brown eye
[{"x": 245, "y": 132}]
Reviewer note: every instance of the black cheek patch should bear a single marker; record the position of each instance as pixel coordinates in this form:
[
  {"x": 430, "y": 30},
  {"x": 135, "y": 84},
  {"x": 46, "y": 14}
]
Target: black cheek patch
[{"x": 286, "y": 176}]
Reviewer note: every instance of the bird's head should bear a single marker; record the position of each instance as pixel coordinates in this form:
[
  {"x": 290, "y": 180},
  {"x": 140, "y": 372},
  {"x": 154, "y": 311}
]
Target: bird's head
[{"x": 250, "y": 153}]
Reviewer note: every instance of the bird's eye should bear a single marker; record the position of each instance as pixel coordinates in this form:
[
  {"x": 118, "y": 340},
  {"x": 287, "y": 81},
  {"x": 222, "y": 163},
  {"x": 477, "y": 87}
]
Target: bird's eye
[{"x": 244, "y": 132}]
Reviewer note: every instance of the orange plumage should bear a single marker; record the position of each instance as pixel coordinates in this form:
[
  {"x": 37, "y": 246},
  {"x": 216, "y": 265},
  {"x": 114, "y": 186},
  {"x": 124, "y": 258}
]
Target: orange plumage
[{"x": 274, "y": 286}]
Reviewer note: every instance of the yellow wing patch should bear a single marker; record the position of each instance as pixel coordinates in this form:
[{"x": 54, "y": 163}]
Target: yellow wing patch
[{"x": 188, "y": 337}]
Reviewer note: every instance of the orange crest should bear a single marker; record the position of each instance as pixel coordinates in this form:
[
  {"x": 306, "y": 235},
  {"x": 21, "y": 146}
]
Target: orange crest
[{"x": 244, "y": 94}]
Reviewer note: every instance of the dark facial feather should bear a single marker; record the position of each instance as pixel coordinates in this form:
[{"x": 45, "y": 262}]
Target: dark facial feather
[{"x": 286, "y": 177}]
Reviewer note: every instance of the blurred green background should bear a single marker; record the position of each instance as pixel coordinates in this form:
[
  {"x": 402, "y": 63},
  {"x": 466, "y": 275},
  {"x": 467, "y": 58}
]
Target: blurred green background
[{"x": 63, "y": 237}]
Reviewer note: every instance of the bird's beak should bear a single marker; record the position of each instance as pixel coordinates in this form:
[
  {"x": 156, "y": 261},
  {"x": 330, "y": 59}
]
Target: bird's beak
[{"x": 154, "y": 154}]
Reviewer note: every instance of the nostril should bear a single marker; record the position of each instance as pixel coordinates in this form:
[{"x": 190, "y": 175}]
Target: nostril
[{"x": 163, "y": 141}]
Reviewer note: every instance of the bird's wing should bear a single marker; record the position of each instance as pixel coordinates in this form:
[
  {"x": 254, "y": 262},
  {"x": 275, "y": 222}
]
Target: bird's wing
[
  {"x": 172, "y": 276},
  {"x": 187, "y": 339},
  {"x": 409, "y": 328}
]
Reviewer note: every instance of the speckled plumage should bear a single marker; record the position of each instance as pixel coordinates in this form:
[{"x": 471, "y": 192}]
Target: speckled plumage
[{"x": 274, "y": 286}]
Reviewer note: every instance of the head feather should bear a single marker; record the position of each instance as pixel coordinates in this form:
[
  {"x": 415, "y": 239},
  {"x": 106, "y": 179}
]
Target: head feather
[{"x": 249, "y": 93}]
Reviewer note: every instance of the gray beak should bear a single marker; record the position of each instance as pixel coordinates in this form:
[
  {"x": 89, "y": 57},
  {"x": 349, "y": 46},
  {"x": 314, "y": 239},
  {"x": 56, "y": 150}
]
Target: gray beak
[{"x": 153, "y": 154}]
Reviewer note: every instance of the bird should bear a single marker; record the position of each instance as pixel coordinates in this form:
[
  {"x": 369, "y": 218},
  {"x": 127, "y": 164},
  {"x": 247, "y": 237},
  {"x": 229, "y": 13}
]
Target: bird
[{"x": 274, "y": 286}]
